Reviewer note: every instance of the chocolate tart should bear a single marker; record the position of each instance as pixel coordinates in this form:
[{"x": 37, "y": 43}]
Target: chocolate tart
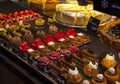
[{"x": 110, "y": 34}]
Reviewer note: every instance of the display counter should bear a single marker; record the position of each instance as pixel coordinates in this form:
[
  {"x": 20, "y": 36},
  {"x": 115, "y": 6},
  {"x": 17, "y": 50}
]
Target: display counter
[{"x": 33, "y": 74}]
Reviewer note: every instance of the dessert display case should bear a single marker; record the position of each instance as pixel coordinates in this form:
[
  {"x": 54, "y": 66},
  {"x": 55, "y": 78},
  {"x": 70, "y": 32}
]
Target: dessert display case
[{"x": 49, "y": 60}]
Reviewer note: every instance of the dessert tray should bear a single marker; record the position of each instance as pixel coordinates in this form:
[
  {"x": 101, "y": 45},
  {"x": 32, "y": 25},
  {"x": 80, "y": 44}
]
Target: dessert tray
[{"x": 81, "y": 26}]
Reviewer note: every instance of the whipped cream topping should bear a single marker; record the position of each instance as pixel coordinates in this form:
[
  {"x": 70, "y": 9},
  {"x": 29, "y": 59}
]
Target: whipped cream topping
[
  {"x": 51, "y": 43},
  {"x": 86, "y": 82},
  {"x": 30, "y": 50},
  {"x": 100, "y": 76},
  {"x": 41, "y": 46},
  {"x": 73, "y": 72},
  {"x": 62, "y": 39},
  {"x": 110, "y": 57},
  {"x": 80, "y": 34},
  {"x": 111, "y": 70},
  {"x": 71, "y": 36},
  {"x": 93, "y": 66}
]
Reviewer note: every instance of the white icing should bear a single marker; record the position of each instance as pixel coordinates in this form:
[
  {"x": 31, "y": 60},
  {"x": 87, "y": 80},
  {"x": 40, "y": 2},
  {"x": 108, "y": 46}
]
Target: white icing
[
  {"x": 62, "y": 39},
  {"x": 93, "y": 66},
  {"x": 109, "y": 57},
  {"x": 86, "y": 82},
  {"x": 41, "y": 46},
  {"x": 80, "y": 34},
  {"x": 100, "y": 76},
  {"x": 71, "y": 36},
  {"x": 73, "y": 72},
  {"x": 111, "y": 70},
  {"x": 50, "y": 43},
  {"x": 30, "y": 50}
]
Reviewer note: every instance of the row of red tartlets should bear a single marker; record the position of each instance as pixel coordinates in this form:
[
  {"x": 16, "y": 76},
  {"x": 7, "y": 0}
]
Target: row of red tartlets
[
  {"x": 50, "y": 40},
  {"x": 25, "y": 15}
]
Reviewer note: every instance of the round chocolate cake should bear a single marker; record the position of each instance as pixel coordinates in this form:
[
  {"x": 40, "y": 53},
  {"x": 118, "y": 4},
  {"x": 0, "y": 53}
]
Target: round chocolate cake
[{"x": 110, "y": 34}]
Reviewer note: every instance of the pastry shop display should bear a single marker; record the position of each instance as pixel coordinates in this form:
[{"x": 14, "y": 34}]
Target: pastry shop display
[
  {"x": 44, "y": 4},
  {"x": 112, "y": 75},
  {"x": 40, "y": 34},
  {"x": 74, "y": 76},
  {"x": 53, "y": 29},
  {"x": 109, "y": 60},
  {"x": 99, "y": 79},
  {"x": 77, "y": 15},
  {"x": 110, "y": 34},
  {"x": 91, "y": 69}
]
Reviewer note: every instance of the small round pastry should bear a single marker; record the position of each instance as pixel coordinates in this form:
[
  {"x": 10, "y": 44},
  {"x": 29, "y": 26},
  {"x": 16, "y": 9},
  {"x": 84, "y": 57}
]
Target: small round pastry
[
  {"x": 73, "y": 76},
  {"x": 111, "y": 75},
  {"x": 99, "y": 79},
  {"x": 91, "y": 69},
  {"x": 24, "y": 24},
  {"x": 39, "y": 22},
  {"x": 28, "y": 37},
  {"x": 53, "y": 29},
  {"x": 50, "y": 21},
  {"x": 16, "y": 41},
  {"x": 109, "y": 61},
  {"x": 44, "y": 61},
  {"x": 40, "y": 34}
]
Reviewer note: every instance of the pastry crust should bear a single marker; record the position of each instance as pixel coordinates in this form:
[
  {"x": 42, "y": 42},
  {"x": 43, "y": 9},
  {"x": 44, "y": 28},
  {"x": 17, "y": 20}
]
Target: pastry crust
[{"x": 106, "y": 38}]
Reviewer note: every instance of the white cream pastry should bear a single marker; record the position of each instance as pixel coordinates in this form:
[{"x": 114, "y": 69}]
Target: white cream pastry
[
  {"x": 111, "y": 70},
  {"x": 110, "y": 57},
  {"x": 100, "y": 76},
  {"x": 86, "y": 82}
]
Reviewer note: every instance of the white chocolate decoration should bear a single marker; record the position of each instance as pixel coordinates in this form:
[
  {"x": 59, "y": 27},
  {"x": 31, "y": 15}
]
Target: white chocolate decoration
[
  {"x": 93, "y": 66},
  {"x": 51, "y": 43},
  {"x": 73, "y": 72},
  {"x": 41, "y": 46},
  {"x": 100, "y": 76},
  {"x": 30, "y": 50},
  {"x": 109, "y": 57},
  {"x": 86, "y": 82},
  {"x": 111, "y": 70},
  {"x": 62, "y": 39},
  {"x": 71, "y": 36}
]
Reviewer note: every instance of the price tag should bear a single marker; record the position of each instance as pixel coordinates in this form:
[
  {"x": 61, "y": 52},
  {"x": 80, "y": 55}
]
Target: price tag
[
  {"x": 93, "y": 24},
  {"x": 61, "y": 79}
]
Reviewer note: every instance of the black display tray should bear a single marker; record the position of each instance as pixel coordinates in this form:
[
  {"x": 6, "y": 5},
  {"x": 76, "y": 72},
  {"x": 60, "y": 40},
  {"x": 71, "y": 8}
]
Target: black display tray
[{"x": 95, "y": 45}]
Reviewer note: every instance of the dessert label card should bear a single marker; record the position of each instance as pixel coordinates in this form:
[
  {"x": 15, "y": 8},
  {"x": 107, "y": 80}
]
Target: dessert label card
[
  {"x": 93, "y": 24},
  {"x": 108, "y": 6}
]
